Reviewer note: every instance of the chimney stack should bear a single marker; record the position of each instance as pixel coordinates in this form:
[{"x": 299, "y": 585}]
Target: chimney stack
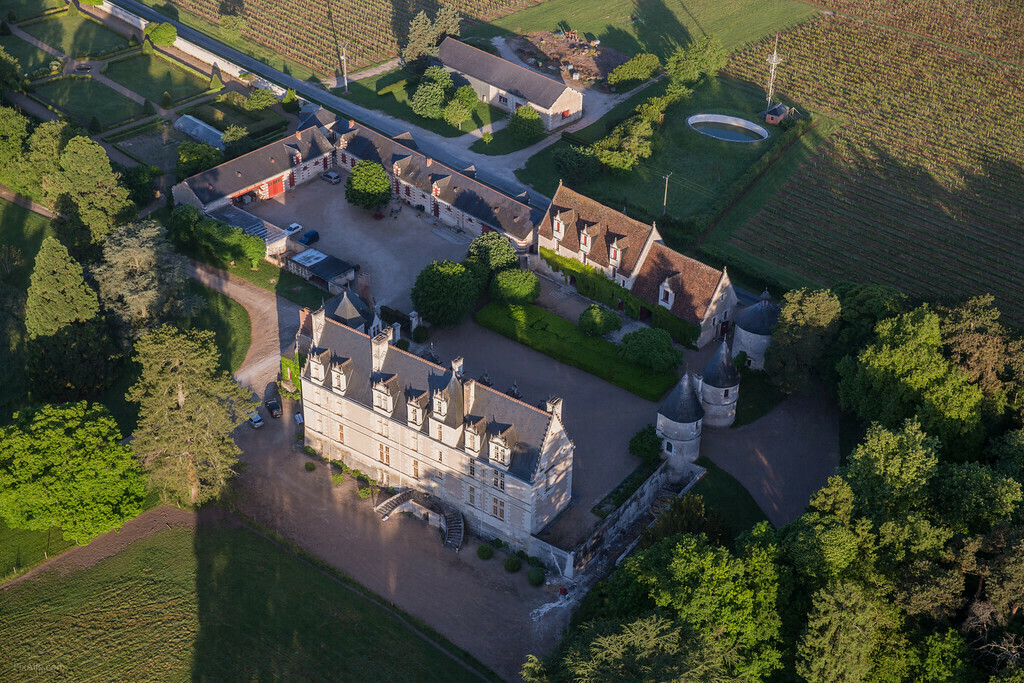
[
  {"x": 554, "y": 406},
  {"x": 429, "y": 162},
  {"x": 380, "y": 348},
  {"x": 457, "y": 365},
  {"x": 363, "y": 287}
]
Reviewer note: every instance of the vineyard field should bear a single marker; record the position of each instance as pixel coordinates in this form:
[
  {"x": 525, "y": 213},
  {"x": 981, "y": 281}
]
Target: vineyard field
[
  {"x": 310, "y": 33},
  {"x": 922, "y": 188}
]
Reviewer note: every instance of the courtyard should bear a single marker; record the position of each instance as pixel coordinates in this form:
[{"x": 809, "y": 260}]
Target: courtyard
[{"x": 392, "y": 250}]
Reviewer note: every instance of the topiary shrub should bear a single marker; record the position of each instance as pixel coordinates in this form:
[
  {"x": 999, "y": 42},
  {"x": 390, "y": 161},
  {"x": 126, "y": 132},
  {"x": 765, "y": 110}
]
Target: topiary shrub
[
  {"x": 597, "y": 320},
  {"x": 498, "y": 543},
  {"x": 310, "y": 466},
  {"x": 646, "y": 445},
  {"x": 402, "y": 344},
  {"x": 485, "y": 551},
  {"x": 487, "y": 138},
  {"x": 535, "y": 576},
  {"x": 420, "y": 334},
  {"x": 513, "y": 564},
  {"x": 517, "y": 287},
  {"x": 533, "y": 561},
  {"x": 521, "y": 554},
  {"x": 365, "y": 492},
  {"x": 166, "y": 101},
  {"x": 337, "y": 478},
  {"x": 308, "y": 450}
]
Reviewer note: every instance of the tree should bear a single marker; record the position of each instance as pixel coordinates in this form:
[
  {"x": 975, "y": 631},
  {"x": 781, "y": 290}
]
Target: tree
[
  {"x": 41, "y": 164},
  {"x": 368, "y": 185},
  {"x": 421, "y": 38},
  {"x": 10, "y": 73},
  {"x": 456, "y": 113},
  {"x": 260, "y": 99},
  {"x": 196, "y": 157},
  {"x": 234, "y": 133},
  {"x": 444, "y": 292},
  {"x": 57, "y": 292},
  {"x": 596, "y": 320},
  {"x": 446, "y": 23},
  {"x": 428, "y": 100},
  {"x": 13, "y": 133},
  {"x": 863, "y": 307},
  {"x": 651, "y": 349},
  {"x": 163, "y": 34},
  {"x": 1006, "y": 452},
  {"x": 467, "y": 96},
  {"x": 704, "y": 56},
  {"x": 807, "y": 326},
  {"x": 494, "y": 252},
  {"x": 64, "y": 466},
  {"x": 141, "y": 278},
  {"x": 688, "y": 514},
  {"x": 216, "y": 85},
  {"x": 514, "y": 286},
  {"x": 255, "y": 249},
  {"x": 646, "y": 445},
  {"x": 88, "y": 182},
  {"x": 903, "y": 374},
  {"x": 10, "y": 258},
  {"x": 138, "y": 180},
  {"x": 188, "y": 409},
  {"x": 843, "y": 629},
  {"x": 526, "y": 125},
  {"x": 973, "y": 498},
  {"x": 640, "y": 68},
  {"x": 439, "y": 76},
  {"x": 576, "y": 163}
]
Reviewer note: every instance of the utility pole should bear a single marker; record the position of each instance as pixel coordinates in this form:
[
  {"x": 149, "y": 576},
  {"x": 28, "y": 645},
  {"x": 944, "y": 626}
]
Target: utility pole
[
  {"x": 344, "y": 65},
  {"x": 664, "y": 202}
]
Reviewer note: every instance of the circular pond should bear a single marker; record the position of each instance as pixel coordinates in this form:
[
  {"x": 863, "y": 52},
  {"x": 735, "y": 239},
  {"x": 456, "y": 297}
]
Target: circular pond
[{"x": 727, "y": 128}]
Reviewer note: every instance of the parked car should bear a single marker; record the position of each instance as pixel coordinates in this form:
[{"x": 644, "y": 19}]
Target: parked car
[
  {"x": 273, "y": 407},
  {"x": 83, "y": 68},
  {"x": 293, "y": 228},
  {"x": 331, "y": 177},
  {"x": 255, "y": 420},
  {"x": 309, "y": 237}
]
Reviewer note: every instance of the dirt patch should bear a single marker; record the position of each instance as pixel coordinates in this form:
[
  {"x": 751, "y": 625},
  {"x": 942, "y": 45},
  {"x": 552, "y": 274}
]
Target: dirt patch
[
  {"x": 557, "y": 52},
  {"x": 158, "y": 147}
]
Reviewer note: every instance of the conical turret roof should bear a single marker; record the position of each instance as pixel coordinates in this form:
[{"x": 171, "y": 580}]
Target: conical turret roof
[
  {"x": 721, "y": 372},
  {"x": 683, "y": 404},
  {"x": 761, "y": 317}
]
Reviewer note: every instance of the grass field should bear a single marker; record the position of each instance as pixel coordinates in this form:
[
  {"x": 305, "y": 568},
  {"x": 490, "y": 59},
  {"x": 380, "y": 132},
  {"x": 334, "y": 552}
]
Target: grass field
[
  {"x": 729, "y": 499},
  {"x": 907, "y": 193},
  {"x": 30, "y": 57},
  {"x": 398, "y": 103},
  {"x": 633, "y": 26},
  {"x": 21, "y": 550},
  {"x": 25, "y": 8},
  {"x": 212, "y": 603},
  {"x": 562, "y": 340},
  {"x": 502, "y": 143},
  {"x": 151, "y": 76},
  {"x": 84, "y": 98},
  {"x": 76, "y": 35}
]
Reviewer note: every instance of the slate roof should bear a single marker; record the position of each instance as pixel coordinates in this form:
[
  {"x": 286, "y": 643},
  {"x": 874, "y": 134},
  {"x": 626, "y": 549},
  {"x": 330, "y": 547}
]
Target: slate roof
[
  {"x": 761, "y": 317},
  {"x": 418, "y": 379},
  {"x": 258, "y": 166},
  {"x": 200, "y": 130},
  {"x": 348, "y": 308},
  {"x": 603, "y": 224},
  {"x": 463, "y": 192},
  {"x": 721, "y": 372},
  {"x": 683, "y": 404},
  {"x": 693, "y": 282},
  {"x": 250, "y": 224},
  {"x": 528, "y": 84}
]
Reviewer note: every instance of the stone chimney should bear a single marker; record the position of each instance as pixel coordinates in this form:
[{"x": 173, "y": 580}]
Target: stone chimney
[
  {"x": 298, "y": 135},
  {"x": 380, "y": 348},
  {"x": 429, "y": 162},
  {"x": 363, "y": 287},
  {"x": 457, "y": 365},
  {"x": 468, "y": 394},
  {"x": 554, "y": 406}
]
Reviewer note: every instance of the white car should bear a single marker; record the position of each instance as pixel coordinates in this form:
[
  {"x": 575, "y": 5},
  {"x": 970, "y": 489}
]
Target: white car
[
  {"x": 255, "y": 420},
  {"x": 294, "y": 227},
  {"x": 331, "y": 177}
]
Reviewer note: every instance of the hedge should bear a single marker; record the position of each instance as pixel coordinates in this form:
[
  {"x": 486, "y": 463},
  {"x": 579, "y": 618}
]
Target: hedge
[
  {"x": 513, "y": 564},
  {"x": 535, "y": 576},
  {"x": 485, "y": 551},
  {"x": 560, "y": 339},
  {"x": 638, "y": 69}
]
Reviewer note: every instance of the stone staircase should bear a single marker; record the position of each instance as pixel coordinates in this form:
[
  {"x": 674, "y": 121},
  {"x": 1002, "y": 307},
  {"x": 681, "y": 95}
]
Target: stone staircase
[
  {"x": 454, "y": 527},
  {"x": 388, "y": 506}
]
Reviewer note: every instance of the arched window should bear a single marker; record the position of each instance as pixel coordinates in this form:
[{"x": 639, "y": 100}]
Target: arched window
[{"x": 668, "y": 446}]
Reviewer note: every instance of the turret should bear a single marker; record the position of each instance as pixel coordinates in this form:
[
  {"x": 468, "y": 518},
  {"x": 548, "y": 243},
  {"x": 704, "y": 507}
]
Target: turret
[
  {"x": 754, "y": 328},
  {"x": 720, "y": 389},
  {"x": 680, "y": 420}
]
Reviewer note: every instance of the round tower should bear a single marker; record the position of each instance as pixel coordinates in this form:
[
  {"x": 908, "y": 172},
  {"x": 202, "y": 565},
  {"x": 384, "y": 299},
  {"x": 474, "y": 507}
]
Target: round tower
[
  {"x": 720, "y": 387},
  {"x": 753, "y": 330},
  {"x": 679, "y": 425}
]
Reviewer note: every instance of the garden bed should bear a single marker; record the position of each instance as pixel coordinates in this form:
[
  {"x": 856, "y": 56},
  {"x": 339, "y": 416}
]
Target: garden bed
[
  {"x": 85, "y": 99},
  {"x": 152, "y": 75},
  {"x": 156, "y": 144}
]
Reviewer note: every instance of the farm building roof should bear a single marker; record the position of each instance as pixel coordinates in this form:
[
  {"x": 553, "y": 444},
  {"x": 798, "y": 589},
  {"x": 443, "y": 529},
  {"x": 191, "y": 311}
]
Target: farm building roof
[
  {"x": 693, "y": 283},
  {"x": 531, "y": 85},
  {"x": 201, "y": 131}
]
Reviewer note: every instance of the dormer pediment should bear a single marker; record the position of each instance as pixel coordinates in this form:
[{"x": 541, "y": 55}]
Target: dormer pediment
[
  {"x": 385, "y": 387},
  {"x": 340, "y": 369},
  {"x": 440, "y": 402},
  {"x": 416, "y": 402}
]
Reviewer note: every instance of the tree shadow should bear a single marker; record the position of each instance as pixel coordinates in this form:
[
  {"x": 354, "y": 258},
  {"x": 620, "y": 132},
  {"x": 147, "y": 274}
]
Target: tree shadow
[{"x": 661, "y": 32}]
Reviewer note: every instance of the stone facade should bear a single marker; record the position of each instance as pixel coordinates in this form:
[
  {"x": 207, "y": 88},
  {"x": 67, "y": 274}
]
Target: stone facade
[
  {"x": 720, "y": 389},
  {"x": 754, "y": 330},
  {"x": 679, "y": 425},
  {"x": 506, "y": 465}
]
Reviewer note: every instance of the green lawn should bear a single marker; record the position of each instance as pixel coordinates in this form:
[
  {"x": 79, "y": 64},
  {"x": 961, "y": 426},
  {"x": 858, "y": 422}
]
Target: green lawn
[
  {"x": 659, "y": 27},
  {"x": 397, "y": 103},
  {"x": 212, "y": 603},
  {"x": 226, "y": 110},
  {"x": 85, "y": 98},
  {"x": 30, "y": 57},
  {"x": 21, "y": 550},
  {"x": 502, "y": 143},
  {"x": 728, "y": 498},
  {"x": 26, "y": 8},
  {"x": 76, "y": 35},
  {"x": 757, "y": 397},
  {"x": 152, "y": 75},
  {"x": 562, "y": 340},
  {"x": 229, "y": 322},
  {"x": 244, "y": 45}
]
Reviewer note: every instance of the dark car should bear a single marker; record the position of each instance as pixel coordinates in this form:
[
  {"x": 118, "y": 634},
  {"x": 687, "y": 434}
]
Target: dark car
[
  {"x": 309, "y": 237},
  {"x": 83, "y": 68},
  {"x": 273, "y": 407}
]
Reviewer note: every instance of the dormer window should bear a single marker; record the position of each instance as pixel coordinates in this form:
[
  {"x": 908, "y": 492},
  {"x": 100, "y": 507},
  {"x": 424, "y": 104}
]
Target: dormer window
[
  {"x": 382, "y": 398},
  {"x": 615, "y": 254},
  {"x": 666, "y": 295},
  {"x": 499, "y": 453},
  {"x": 440, "y": 405},
  {"x": 558, "y": 228},
  {"x": 415, "y": 415},
  {"x": 584, "y": 239},
  {"x": 339, "y": 380},
  {"x": 316, "y": 370}
]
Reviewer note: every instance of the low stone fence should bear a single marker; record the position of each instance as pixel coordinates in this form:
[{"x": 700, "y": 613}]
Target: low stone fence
[{"x": 556, "y": 559}]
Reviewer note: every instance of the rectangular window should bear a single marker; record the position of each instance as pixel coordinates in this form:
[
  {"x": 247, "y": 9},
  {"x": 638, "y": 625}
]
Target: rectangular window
[
  {"x": 472, "y": 469},
  {"x": 471, "y": 440},
  {"x": 341, "y": 433},
  {"x": 415, "y": 469},
  {"x": 472, "y": 496},
  {"x": 499, "y": 480},
  {"x": 566, "y": 114},
  {"x": 502, "y": 99},
  {"x": 498, "y": 508},
  {"x": 414, "y": 441},
  {"x": 664, "y": 296},
  {"x": 440, "y": 456},
  {"x": 726, "y": 393},
  {"x": 384, "y": 454},
  {"x": 440, "y": 432},
  {"x": 408, "y": 191}
]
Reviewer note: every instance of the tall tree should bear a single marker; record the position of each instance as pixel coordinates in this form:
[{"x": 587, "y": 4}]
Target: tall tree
[
  {"x": 141, "y": 278},
  {"x": 807, "y": 326},
  {"x": 446, "y": 23},
  {"x": 13, "y": 133},
  {"x": 421, "y": 38},
  {"x": 10, "y": 73},
  {"x": 704, "y": 56},
  {"x": 889, "y": 472},
  {"x": 88, "y": 181},
  {"x": 196, "y": 157},
  {"x": 57, "y": 292},
  {"x": 188, "y": 409},
  {"x": 64, "y": 466},
  {"x": 41, "y": 164},
  {"x": 973, "y": 498},
  {"x": 494, "y": 252},
  {"x": 444, "y": 292},
  {"x": 368, "y": 185}
]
